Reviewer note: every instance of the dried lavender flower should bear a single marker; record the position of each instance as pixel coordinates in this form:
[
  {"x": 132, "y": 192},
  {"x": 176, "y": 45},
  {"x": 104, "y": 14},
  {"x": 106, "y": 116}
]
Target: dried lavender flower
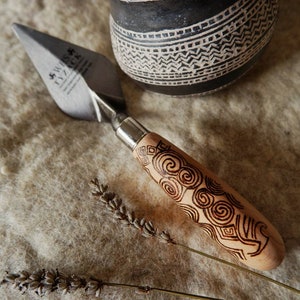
[
  {"x": 43, "y": 282},
  {"x": 114, "y": 204}
]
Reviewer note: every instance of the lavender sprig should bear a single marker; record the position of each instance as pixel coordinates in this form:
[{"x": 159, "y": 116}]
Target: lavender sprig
[
  {"x": 43, "y": 282},
  {"x": 114, "y": 204}
]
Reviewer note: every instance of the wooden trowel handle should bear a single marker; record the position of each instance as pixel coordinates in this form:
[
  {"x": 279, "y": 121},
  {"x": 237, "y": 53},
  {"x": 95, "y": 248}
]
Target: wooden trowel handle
[{"x": 220, "y": 211}]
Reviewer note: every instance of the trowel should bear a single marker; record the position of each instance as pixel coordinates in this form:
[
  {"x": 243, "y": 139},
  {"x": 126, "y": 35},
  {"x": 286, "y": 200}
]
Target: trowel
[{"x": 85, "y": 85}]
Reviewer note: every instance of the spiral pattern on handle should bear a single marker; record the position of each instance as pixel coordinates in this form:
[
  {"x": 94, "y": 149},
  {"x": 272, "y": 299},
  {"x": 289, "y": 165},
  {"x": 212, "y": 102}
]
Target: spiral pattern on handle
[
  {"x": 189, "y": 177},
  {"x": 220, "y": 214},
  {"x": 168, "y": 163},
  {"x": 202, "y": 198},
  {"x": 172, "y": 187},
  {"x": 175, "y": 169}
]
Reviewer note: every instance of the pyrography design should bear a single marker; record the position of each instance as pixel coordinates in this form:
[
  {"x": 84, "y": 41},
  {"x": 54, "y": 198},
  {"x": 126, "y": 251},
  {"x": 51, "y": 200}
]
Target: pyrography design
[
  {"x": 198, "y": 53},
  {"x": 217, "y": 212}
]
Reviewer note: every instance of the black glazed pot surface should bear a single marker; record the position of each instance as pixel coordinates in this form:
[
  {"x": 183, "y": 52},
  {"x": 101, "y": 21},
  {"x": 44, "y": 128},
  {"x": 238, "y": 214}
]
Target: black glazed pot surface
[{"x": 188, "y": 47}]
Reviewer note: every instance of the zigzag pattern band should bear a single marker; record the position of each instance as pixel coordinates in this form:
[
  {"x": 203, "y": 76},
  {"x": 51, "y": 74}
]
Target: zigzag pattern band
[{"x": 198, "y": 53}]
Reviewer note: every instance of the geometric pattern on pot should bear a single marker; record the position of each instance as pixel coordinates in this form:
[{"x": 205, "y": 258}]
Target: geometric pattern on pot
[{"x": 198, "y": 53}]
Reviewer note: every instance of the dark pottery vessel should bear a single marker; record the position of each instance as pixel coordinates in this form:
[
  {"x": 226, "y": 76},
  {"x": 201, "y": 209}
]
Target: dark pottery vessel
[{"x": 192, "y": 46}]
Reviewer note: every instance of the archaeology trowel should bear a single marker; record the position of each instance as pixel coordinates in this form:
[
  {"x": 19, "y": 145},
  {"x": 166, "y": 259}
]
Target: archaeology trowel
[{"x": 85, "y": 85}]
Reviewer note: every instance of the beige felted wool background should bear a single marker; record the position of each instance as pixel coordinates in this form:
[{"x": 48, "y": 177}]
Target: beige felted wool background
[{"x": 248, "y": 134}]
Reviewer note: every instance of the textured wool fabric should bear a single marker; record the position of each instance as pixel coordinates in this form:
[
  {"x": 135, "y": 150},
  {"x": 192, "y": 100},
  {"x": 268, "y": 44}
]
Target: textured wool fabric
[{"x": 247, "y": 133}]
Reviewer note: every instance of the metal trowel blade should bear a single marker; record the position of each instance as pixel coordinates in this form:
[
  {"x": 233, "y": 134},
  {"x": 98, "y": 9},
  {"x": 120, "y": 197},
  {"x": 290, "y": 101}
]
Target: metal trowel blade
[{"x": 74, "y": 76}]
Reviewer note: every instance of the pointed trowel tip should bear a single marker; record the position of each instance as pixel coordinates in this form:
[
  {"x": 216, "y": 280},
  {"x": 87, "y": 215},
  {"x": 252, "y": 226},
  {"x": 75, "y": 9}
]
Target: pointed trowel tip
[
  {"x": 17, "y": 27},
  {"x": 19, "y": 30}
]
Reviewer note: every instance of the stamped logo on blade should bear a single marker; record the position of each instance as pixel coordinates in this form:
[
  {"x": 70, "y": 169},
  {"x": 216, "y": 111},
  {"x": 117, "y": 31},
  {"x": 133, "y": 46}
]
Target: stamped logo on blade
[{"x": 68, "y": 71}]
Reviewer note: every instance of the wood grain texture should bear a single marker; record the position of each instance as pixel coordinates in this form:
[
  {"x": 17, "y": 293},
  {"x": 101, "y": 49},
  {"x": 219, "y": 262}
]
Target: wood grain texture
[{"x": 220, "y": 211}]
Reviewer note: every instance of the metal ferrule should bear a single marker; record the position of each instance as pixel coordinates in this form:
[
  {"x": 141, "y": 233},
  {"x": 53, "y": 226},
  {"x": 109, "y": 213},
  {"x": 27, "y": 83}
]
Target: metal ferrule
[{"x": 130, "y": 132}]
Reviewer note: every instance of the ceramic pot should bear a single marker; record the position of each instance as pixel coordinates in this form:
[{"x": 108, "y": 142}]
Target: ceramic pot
[{"x": 191, "y": 46}]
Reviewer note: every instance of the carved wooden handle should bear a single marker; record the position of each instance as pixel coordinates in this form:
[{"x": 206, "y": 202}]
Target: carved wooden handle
[{"x": 225, "y": 216}]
